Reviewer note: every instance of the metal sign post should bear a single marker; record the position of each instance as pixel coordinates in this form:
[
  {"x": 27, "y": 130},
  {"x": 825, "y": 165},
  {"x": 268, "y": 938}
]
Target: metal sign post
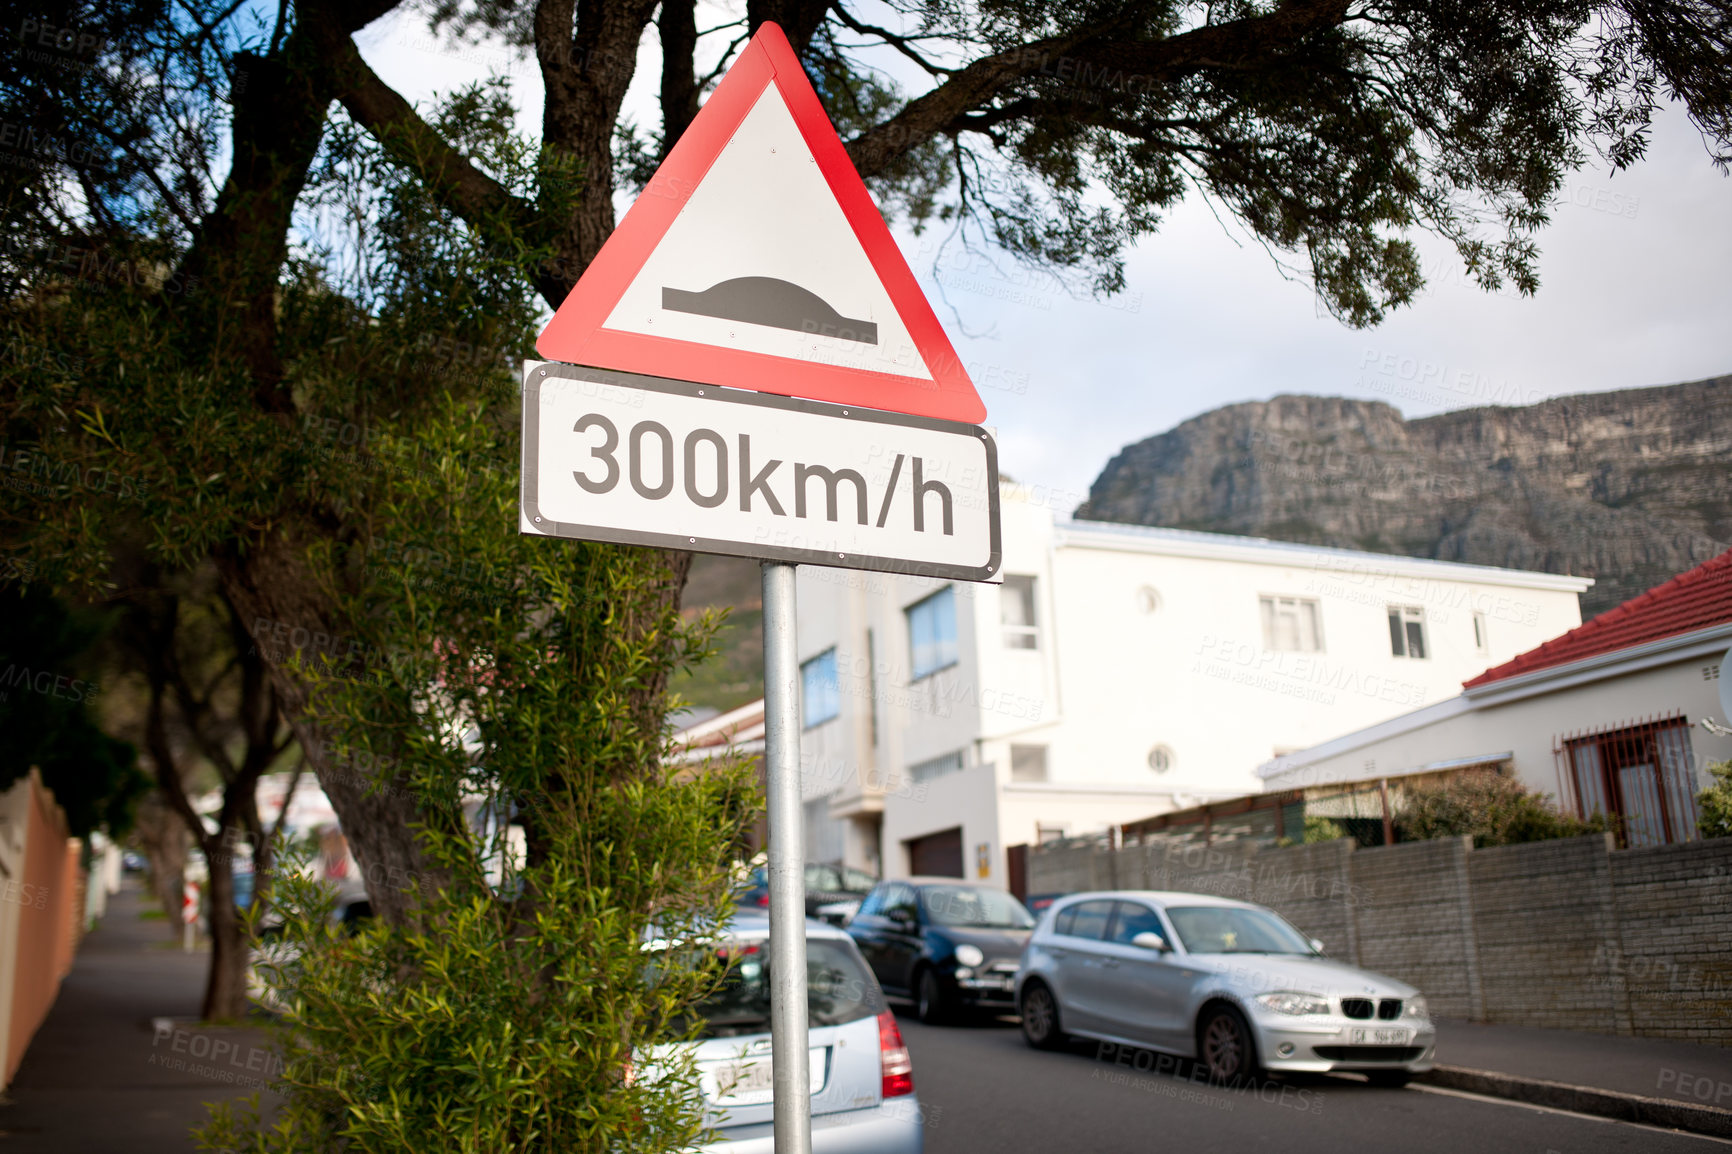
[{"x": 789, "y": 1044}]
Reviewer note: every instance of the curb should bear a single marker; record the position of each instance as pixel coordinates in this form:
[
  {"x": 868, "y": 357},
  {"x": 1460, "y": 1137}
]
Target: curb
[{"x": 1666, "y": 1112}]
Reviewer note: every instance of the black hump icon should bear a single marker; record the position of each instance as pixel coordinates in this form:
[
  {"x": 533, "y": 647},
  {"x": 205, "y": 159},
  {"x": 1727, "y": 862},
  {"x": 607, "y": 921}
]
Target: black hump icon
[{"x": 766, "y": 300}]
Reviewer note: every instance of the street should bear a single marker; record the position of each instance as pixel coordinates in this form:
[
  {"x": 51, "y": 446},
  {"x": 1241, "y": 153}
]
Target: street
[{"x": 982, "y": 1088}]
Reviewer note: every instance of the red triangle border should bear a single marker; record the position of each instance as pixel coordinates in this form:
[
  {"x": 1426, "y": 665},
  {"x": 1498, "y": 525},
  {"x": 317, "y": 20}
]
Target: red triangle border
[{"x": 576, "y": 334}]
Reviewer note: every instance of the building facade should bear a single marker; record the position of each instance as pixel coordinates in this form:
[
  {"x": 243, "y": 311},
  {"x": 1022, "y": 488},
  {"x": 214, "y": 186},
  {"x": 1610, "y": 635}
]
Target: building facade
[
  {"x": 1606, "y": 718},
  {"x": 1118, "y": 671}
]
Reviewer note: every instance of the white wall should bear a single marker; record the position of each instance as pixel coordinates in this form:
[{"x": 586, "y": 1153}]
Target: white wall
[
  {"x": 1109, "y": 680},
  {"x": 1530, "y": 728}
]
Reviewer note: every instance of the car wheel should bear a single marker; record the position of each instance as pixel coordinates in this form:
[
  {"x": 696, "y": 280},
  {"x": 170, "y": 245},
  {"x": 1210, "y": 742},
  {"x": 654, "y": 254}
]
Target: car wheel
[
  {"x": 1225, "y": 1047},
  {"x": 1394, "y": 1079},
  {"x": 929, "y": 1003},
  {"x": 1040, "y": 1025}
]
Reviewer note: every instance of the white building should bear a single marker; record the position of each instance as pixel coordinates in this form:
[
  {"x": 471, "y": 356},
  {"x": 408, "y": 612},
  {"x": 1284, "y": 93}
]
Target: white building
[
  {"x": 1118, "y": 672},
  {"x": 1605, "y": 718}
]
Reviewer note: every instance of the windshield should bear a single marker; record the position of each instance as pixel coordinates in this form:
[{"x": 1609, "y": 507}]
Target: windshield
[
  {"x": 1226, "y": 930},
  {"x": 838, "y": 990},
  {"x": 972, "y": 906}
]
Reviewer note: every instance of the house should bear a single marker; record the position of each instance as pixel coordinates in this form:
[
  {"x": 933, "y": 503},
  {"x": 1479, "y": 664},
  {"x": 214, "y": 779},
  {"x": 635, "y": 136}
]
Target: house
[
  {"x": 1118, "y": 671},
  {"x": 1604, "y": 718}
]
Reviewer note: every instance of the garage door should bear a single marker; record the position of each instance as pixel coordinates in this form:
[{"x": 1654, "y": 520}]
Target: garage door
[{"x": 937, "y": 855}]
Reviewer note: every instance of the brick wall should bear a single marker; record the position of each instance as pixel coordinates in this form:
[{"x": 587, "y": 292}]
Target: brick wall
[
  {"x": 1674, "y": 911},
  {"x": 1415, "y": 920},
  {"x": 1569, "y": 934},
  {"x": 1543, "y": 920}
]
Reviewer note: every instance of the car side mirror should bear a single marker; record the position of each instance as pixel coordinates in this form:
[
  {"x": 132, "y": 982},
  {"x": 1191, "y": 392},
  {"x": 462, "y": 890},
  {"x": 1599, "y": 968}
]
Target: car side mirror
[
  {"x": 903, "y": 919},
  {"x": 1152, "y": 941},
  {"x": 1317, "y": 947}
]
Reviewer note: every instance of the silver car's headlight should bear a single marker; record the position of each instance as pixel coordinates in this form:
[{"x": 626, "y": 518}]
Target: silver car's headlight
[
  {"x": 1416, "y": 1007},
  {"x": 969, "y": 955},
  {"x": 1293, "y": 1002}
]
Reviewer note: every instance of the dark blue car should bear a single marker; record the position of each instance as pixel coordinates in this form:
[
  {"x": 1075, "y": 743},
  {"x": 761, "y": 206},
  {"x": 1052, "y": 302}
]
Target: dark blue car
[{"x": 944, "y": 943}]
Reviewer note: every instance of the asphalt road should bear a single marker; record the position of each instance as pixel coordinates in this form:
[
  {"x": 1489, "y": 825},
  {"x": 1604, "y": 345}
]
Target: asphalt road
[{"x": 982, "y": 1089}]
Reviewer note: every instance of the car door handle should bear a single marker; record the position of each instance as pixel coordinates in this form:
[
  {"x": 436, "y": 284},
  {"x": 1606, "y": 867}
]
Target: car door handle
[{"x": 1110, "y": 963}]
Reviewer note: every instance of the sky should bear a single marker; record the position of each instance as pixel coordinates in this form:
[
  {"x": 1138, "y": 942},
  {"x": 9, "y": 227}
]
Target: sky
[{"x": 1634, "y": 291}]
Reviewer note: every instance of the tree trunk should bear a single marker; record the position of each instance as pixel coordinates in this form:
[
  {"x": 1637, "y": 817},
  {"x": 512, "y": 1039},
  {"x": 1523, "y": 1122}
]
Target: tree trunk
[
  {"x": 225, "y": 992},
  {"x": 163, "y": 837},
  {"x": 282, "y": 608}
]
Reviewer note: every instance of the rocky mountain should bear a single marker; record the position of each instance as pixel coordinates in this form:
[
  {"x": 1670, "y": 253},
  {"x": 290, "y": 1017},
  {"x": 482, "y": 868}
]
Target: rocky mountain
[{"x": 1629, "y": 487}]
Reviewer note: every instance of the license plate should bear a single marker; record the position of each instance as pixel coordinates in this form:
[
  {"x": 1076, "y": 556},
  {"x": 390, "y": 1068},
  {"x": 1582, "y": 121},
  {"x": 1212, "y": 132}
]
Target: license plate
[
  {"x": 1381, "y": 1036},
  {"x": 740, "y": 1079},
  {"x": 752, "y": 1081}
]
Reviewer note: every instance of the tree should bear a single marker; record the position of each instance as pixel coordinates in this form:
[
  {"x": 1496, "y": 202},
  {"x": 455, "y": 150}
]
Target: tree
[
  {"x": 49, "y": 683},
  {"x": 209, "y": 716}
]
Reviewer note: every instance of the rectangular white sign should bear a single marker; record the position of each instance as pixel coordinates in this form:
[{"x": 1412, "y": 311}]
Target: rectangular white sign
[{"x": 611, "y": 456}]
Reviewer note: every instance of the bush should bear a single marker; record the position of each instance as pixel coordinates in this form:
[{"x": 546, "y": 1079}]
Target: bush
[
  {"x": 1490, "y": 808},
  {"x": 1714, "y": 804}
]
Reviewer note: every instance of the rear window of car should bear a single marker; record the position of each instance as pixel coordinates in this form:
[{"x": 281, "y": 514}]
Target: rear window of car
[{"x": 839, "y": 989}]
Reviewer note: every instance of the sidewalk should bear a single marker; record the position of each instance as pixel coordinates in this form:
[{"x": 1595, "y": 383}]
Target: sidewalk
[
  {"x": 1640, "y": 1079},
  {"x": 98, "y": 1077},
  {"x": 1653, "y": 1067}
]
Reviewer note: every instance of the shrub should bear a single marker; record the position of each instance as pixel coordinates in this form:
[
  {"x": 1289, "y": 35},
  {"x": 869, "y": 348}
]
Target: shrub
[
  {"x": 1322, "y": 829},
  {"x": 1714, "y": 804},
  {"x": 1490, "y": 808}
]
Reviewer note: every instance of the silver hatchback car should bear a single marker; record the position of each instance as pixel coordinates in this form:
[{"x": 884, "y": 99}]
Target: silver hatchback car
[
  {"x": 1228, "y": 983},
  {"x": 862, "y": 1080}
]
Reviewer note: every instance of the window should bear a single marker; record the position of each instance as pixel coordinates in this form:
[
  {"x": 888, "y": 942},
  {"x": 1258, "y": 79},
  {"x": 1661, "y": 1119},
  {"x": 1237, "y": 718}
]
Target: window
[
  {"x": 874, "y": 903},
  {"x": 838, "y": 990},
  {"x": 1086, "y": 920},
  {"x": 932, "y": 632},
  {"x": 900, "y": 897},
  {"x": 1234, "y": 930},
  {"x": 1016, "y": 612},
  {"x": 1028, "y": 763},
  {"x": 820, "y": 698},
  {"x": 1292, "y": 623},
  {"x": 1407, "y": 631},
  {"x": 936, "y": 766},
  {"x": 965, "y": 906},
  {"x": 1481, "y": 639},
  {"x": 857, "y": 881},
  {"x": 1643, "y": 775},
  {"x": 1134, "y": 919}
]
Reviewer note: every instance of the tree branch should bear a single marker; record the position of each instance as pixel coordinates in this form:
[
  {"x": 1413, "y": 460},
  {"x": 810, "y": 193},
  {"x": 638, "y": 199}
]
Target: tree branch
[
  {"x": 1093, "y": 58},
  {"x": 678, "y": 25}
]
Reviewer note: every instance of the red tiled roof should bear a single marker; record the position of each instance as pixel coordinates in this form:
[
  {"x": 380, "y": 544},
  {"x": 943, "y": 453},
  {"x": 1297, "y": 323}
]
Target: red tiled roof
[{"x": 1698, "y": 599}]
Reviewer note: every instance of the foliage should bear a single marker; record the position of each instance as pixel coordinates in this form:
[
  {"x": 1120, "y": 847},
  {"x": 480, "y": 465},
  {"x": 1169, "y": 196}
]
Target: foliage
[
  {"x": 47, "y": 686},
  {"x": 1714, "y": 804},
  {"x": 1489, "y": 807},
  {"x": 497, "y": 673},
  {"x": 1319, "y": 828},
  {"x": 497, "y": 679}
]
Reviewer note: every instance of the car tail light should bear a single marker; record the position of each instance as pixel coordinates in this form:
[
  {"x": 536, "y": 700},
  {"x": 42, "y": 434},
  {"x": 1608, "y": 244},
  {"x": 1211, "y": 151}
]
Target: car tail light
[
  {"x": 764, "y": 899},
  {"x": 898, "y": 1069}
]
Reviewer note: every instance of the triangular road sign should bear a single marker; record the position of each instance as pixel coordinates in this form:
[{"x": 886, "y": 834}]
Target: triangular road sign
[{"x": 756, "y": 259}]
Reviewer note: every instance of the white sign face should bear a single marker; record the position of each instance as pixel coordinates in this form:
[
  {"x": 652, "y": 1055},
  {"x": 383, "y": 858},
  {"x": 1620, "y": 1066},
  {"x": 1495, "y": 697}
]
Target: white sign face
[
  {"x": 611, "y": 456},
  {"x": 764, "y": 209}
]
